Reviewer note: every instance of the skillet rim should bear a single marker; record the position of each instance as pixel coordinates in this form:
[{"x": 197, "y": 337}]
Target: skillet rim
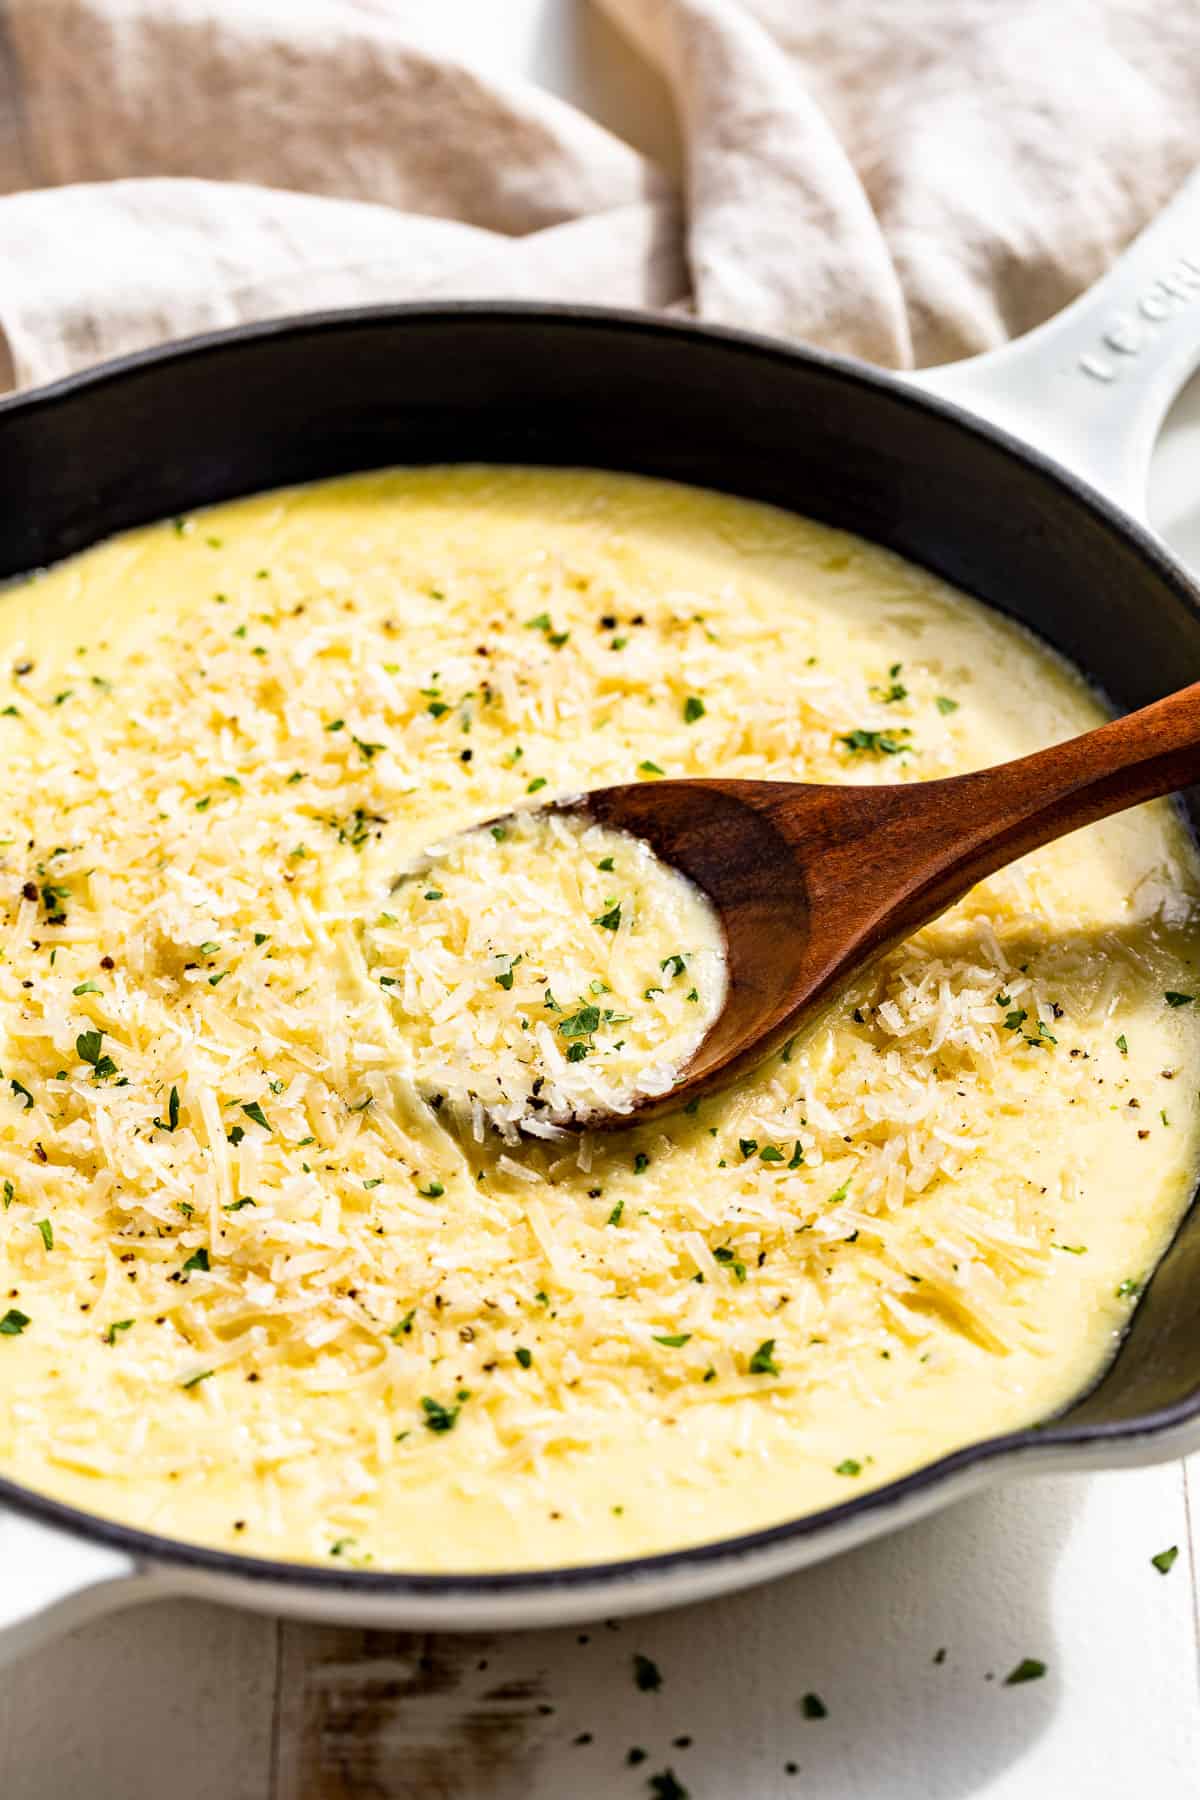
[{"x": 1024, "y": 1446}]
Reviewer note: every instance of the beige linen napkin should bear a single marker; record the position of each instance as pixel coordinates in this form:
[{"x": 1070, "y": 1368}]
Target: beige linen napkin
[{"x": 906, "y": 180}]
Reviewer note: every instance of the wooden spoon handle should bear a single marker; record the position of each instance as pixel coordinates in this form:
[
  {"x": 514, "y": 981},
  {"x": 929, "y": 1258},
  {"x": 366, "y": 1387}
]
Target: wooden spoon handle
[
  {"x": 942, "y": 837},
  {"x": 1027, "y": 803}
]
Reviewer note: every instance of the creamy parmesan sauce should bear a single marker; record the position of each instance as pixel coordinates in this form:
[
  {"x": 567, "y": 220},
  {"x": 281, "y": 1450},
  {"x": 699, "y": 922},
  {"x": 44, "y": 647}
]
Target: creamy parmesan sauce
[{"x": 260, "y": 1289}]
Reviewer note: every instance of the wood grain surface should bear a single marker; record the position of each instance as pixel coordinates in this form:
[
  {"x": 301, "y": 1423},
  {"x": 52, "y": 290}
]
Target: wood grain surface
[{"x": 200, "y": 1703}]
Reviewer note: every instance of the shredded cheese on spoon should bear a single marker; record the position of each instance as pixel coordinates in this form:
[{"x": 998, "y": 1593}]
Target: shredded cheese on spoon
[{"x": 544, "y": 970}]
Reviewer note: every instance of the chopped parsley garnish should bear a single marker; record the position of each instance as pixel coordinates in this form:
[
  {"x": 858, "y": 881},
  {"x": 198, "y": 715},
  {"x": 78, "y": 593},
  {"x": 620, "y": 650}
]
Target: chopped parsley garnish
[
  {"x": 874, "y": 743},
  {"x": 763, "y": 1361},
  {"x": 47, "y": 1231},
  {"x": 110, "y": 1336},
  {"x": 848, "y": 1467},
  {"x": 195, "y": 1380},
  {"x": 373, "y": 1181},
  {"x": 9, "y": 1194},
  {"x": 693, "y": 709},
  {"x": 614, "y": 1217},
  {"x": 434, "y": 1191},
  {"x": 405, "y": 1325},
  {"x": 238, "y": 1205},
  {"x": 254, "y": 1111},
  {"x": 210, "y": 948},
  {"x": 610, "y": 920},
  {"x": 505, "y": 978},
  {"x": 198, "y": 1260},
  {"x": 1128, "y": 1289},
  {"x": 438, "y": 1417},
  {"x": 673, "y": 964},
  {"x": 433, "y": 894},
  {"x": 1123, "y": 1044},
  {"x": 523, "y": 1356},
  {"x": 770, "y": 1154},
  {"x": 747, "y": 1146},
  {"x": 580, "y": 1024},
  {"x": 1014, "y": 1020},
  {"x": 536, "y": 785},
  {"x": 577, "y": 1051},
  {"x": 673, "y": 1340},
  {"x": 1071, "y": 1249},
  {"x": 88, "y": 1048},
  {"x": 813, "y": 1707},
  {"x": 1164, "y": 1561},
  {"x": 13, "y": 1323},
  {"x": 724, "y": 1254},
  {"x": 641, "y": 1162},
  {"x": 945, "y": 705},
  {"x": 436, "y": 708},
  {"x": 1030, "y": 1668},
  {"x": 236, "y": 1135},
  {"x": 18, "y": 1087},
  {"x": 605, "y": 863},
  {"x": 499, "y": 833},
  {"x": 1174, "y": 999},
  {"x": 646, "y": 1674},
  {"x": 650, "y": 768},
  {"x": 86, "y": 987}
]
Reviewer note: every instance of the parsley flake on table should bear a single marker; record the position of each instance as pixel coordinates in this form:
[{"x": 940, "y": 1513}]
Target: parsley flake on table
[
  {"x": 1030, "y": 1668},
  {"x": 647, "y": 1676},
  {"x": 1164, "y": 1560}
]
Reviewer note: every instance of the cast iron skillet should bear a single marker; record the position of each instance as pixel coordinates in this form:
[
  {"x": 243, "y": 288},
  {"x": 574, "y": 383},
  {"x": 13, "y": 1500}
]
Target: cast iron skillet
[{"x": 163, "y": 433}]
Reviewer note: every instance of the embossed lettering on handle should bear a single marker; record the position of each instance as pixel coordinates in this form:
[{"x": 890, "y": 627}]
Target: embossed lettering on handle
[{"x": 1092, "y": 385}]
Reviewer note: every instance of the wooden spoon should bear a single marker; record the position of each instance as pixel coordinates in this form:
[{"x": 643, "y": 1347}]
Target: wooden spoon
[{"x": 811, "y": 882}]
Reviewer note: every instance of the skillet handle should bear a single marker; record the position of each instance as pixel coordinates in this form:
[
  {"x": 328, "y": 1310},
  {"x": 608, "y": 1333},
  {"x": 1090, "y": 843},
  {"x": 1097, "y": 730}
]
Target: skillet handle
[
  {"x": 51, "y": 1581},
  {"x": 1092, "y": 386}
]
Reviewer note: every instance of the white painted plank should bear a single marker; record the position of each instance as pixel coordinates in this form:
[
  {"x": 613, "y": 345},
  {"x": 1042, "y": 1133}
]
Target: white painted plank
[
  {"x": 1057, "y": 1570},
  {"x": 174, "y": 1699}
]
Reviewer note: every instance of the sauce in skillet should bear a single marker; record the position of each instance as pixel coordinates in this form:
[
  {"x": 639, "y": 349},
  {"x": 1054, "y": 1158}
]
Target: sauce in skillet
[{"x": 266, "y": 1287}]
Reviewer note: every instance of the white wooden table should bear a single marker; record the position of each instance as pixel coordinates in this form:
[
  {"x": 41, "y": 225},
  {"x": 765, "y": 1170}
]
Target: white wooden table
[{"x": 200, "y": 1704}]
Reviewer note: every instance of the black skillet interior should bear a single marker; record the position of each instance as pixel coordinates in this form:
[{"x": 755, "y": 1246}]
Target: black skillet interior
[{"x": 257, "y": 408}]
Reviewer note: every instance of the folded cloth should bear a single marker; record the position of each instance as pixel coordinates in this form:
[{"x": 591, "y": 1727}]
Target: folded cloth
[{"x": 908, "y": 181}]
